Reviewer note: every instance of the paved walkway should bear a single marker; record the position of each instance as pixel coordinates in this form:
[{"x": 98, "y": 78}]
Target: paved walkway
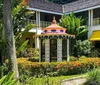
[{"x": 74, "y": 81}]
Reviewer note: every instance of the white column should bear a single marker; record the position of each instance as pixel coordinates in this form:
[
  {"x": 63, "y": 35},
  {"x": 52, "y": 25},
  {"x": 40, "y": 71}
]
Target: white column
[
  {"x": 59, "y": 50},
  {"x": 47, "y": 50},
  {"x": 92, "y": 17},
  {"x": 89, "y": 17},
  {"x": 40, "y": 51},
  {"x": 38, "y": 18},
  {"x": 90, "y": 22},
  {"x": 38, "y": 26},
  {"x": 68, "y": 49}
]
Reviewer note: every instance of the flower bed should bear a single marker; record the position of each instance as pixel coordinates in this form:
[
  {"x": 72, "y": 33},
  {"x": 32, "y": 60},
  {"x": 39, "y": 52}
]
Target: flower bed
[{"x": 57, "y": 68}]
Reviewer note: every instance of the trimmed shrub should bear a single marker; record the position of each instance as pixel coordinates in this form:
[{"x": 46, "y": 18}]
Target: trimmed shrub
[{"x": 30, "y": 68}]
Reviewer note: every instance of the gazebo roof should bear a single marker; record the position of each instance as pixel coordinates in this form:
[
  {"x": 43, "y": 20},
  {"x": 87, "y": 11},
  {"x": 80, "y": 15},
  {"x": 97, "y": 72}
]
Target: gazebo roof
[
  {"x": 54, "y": 31},
  {"x": 54, "y": 28}
]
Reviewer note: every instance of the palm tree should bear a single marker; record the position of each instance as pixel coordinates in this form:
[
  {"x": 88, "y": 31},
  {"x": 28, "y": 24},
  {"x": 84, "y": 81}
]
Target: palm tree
[
  {"x": 73, "y": 26},
  {"x": 9, "y": 37}
]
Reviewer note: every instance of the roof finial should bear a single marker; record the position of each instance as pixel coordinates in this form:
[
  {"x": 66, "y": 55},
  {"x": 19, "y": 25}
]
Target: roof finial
[{"x": 54, "y": 20}]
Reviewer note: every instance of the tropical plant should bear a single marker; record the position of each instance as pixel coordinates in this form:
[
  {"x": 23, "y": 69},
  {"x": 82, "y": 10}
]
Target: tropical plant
[
  {"x": 93, "y": 77},
  {"x": 31, "y": 52},
  {"x": 94, "y": 52},
  {"x": 8, "y": 79},
  {"x": 1, "y": 71},
  {"x": 19, "y": 14},
  {"x": 82, "y": 48},
  {"x": 73, "y": 26}
]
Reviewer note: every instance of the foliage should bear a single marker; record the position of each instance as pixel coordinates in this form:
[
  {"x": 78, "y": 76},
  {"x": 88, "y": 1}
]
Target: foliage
[
  {"x": 8, "y": 79},
  {"x": 30, "y": 68},
  {"x": 22, "y": 48},
  {"x": 45, "y": 80},
  {"x": 30, "y": 52},
  {"x": 82, "y": 48},
  {"x": 73, "y": 26},
  {"x": 1, "y": 10},
  {"x": 94, "y": 52},
  {"x": 72, "y": 58},
  {"x": 93, "y": 77},
  {"x": 1, "y": 71},
  {"x": 19, "y": 22}
]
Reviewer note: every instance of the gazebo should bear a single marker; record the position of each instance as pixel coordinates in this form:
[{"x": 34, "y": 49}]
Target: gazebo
[{"x": 53, "y": 32}]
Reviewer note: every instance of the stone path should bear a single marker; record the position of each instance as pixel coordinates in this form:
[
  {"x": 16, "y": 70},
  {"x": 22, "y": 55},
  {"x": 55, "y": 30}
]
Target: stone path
[{"x": 74, "y": 81}]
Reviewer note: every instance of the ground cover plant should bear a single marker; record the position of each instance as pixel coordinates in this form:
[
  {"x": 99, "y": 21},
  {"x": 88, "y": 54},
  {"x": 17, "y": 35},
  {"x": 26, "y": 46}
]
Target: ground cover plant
[
  {"x": 93, "y": 77},
  {"x": 46, "y": 80}
]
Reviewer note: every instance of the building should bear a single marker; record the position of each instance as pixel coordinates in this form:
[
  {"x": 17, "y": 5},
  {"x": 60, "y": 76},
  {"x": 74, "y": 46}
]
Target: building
[{"x": 44, "y": 11}]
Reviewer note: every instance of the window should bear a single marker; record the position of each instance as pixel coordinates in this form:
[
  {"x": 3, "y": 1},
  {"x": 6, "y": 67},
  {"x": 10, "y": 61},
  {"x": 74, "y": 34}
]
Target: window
[
  {"x": 45, "y": 30},
  {"x": 61, "y": 31},
  {"x": 53, "y": 30}
]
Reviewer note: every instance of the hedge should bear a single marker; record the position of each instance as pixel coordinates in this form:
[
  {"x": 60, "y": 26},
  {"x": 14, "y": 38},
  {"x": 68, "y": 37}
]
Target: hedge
[{"x": 57, "y": 68}]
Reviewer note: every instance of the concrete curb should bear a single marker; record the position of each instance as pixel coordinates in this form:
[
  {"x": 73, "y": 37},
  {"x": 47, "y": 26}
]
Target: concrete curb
[
  {"x": 74, "y": 78},
  {"x": 74, "y": 81}
]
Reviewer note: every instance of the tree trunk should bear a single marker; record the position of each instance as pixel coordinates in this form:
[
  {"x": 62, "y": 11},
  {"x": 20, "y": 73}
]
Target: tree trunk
[{"x": 9, "y": 37}]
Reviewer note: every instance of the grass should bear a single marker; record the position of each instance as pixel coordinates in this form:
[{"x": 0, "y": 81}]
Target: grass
[
  {"x": 64, "y": 77},
  {"x": 48, "y": 80}
]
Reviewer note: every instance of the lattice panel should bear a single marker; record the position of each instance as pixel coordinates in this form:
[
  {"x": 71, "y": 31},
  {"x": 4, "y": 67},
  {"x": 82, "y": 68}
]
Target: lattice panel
[
  {"x": 47, "y": 50},
  {"x": 59, "y": 49}
]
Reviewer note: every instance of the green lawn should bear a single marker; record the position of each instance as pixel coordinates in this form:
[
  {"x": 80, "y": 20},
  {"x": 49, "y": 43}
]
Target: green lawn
[{"x": 49, "y": 80}]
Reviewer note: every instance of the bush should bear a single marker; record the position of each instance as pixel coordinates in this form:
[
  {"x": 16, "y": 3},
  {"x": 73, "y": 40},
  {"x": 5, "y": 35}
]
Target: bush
[
  {"x": 82, "y": 48},
  {"x": 93, "y": 78},
  {"x": 30, "y": 68},
  {"x": 30, "y": 52},
  {"x": 72, "y": 58},
  {"x": 95, "y": 52}
]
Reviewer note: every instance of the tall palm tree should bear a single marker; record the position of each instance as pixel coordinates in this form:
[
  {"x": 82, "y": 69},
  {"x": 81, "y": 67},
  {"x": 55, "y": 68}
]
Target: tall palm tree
[{"x": 9, "y": 37}]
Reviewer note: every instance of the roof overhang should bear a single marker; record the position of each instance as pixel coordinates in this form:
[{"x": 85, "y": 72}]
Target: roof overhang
[
  {"x": 95, "y": 36},
  {"x": 45, "y": 11},
  {"x": 54, "y": 36},
  {"x": 85, "y": 9}
]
